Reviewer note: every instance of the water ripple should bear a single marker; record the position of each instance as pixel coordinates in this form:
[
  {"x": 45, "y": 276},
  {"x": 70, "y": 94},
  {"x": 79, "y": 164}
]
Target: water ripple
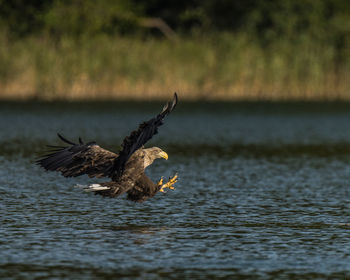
[{"x": 244, "y": 207}]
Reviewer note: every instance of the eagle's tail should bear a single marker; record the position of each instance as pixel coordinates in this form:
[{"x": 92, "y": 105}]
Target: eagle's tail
[
  {"x": 111, "y": 189},
  {"x": 93, "y": 187}
]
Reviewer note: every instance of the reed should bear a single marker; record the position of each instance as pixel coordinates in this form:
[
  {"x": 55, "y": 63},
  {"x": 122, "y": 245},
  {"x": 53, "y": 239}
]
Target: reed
[{"x": 218, "y": 67}]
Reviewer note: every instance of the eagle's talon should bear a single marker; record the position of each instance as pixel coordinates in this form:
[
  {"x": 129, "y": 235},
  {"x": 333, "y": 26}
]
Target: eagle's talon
[
  {"x": 173, "y": 180},
  {"x": 169, "y": 184},
  {"x": 160, "y": 181}
]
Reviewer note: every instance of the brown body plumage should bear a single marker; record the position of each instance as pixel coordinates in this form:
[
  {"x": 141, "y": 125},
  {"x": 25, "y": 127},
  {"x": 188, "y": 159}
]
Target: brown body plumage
[{"x": 126, "y": 168}]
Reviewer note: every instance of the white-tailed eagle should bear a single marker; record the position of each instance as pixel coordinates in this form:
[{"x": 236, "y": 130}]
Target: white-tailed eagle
[{"x": 126, "y": 169}]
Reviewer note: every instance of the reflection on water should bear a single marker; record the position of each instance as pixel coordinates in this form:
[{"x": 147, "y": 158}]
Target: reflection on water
[{"x": 262, "y": 194}]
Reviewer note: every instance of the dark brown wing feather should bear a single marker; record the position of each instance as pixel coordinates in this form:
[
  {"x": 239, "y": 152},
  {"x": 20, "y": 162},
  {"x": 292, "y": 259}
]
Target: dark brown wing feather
[
  {"x": 78, "y": 159},
  {"x": 139, "y": 137}
]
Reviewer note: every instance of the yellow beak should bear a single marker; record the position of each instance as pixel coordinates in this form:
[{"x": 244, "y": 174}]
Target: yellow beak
[{"x": 164, "y": 155}]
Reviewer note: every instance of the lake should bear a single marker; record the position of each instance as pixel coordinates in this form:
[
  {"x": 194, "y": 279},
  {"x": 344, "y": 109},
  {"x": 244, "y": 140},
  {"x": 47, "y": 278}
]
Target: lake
[{"x": 263, "y": 193}]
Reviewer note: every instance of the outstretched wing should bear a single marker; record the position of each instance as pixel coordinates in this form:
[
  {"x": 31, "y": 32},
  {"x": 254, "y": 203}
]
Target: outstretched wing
[
  {"x": 78, "y": 159},
  {"x": 139, "y": 137}
]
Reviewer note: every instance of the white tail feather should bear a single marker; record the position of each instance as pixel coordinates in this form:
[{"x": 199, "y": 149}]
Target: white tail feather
[{"x": 92, "y": 188}]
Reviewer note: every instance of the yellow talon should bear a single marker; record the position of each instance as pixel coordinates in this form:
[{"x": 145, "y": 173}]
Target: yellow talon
[
  {"x": 172, "y": 180},
  {"x": 169, "y": 184}
]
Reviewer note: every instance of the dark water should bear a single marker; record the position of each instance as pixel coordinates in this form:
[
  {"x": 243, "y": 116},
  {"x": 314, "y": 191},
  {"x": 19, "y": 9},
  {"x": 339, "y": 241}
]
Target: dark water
[{"x": 263, "y": 194}]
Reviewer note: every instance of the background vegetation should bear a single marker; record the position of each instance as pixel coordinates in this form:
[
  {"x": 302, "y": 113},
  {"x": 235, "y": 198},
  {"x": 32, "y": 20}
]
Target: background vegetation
[{"x": 134, "y": 49}]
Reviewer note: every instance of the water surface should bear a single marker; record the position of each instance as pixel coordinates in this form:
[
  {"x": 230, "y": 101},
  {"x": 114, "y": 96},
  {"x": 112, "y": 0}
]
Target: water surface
[{"x": 263, "y": 194}]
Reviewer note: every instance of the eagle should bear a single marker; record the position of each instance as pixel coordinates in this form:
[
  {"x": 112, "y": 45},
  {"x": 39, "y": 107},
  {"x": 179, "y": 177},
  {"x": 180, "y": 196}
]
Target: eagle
[{"x": 125, "y": 170}]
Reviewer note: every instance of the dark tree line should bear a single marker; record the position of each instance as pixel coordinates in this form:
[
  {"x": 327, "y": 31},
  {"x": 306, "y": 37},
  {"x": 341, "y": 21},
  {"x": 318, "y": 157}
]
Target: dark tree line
[{"x": 265, "y": 19}]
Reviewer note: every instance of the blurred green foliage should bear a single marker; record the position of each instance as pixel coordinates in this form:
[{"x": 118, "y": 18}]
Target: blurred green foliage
[
  {"x": 324, "y": 21},
  {"x": 261, "y": 46},
  {"x": 267, "y": 20}
]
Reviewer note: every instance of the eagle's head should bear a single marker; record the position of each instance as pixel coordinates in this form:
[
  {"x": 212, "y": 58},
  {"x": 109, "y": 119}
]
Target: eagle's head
[{"x": 153, "y": 153}]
